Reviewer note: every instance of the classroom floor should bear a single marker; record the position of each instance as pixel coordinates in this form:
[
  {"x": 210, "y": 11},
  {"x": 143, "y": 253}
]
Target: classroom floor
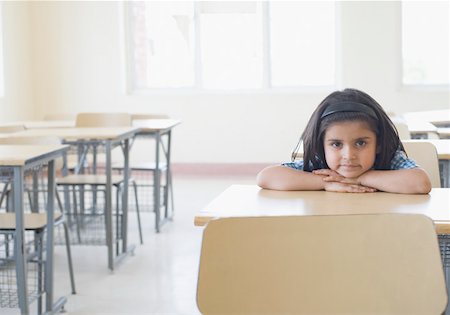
[{"x": 160, "y": 278}]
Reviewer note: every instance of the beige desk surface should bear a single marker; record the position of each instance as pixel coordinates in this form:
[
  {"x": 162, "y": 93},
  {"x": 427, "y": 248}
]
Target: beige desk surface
[
  {"x": 432, "y": 116},
  {"x": 47, "y": 124},
  {"x": 418, "y": 126},
  {"x": 19, "y": 155},
  {"x": 250, "y": 200},
  {"x": 148, "y": 125},
  {"x": 72, "y": 134},
  {"x": 442, "y": 147}
]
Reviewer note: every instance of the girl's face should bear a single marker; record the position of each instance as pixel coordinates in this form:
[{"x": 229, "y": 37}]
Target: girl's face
[{"x": 350, "y": 148}]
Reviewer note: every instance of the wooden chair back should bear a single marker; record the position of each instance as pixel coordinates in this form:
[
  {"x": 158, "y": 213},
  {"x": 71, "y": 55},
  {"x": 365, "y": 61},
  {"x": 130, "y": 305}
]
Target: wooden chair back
[
  {"x": 345, "y": 264},
  {"x": 103, "y": 120},
  {"x": 425, "y": 155}
]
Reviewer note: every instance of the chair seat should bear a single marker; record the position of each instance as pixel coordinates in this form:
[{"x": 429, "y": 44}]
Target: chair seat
[
  {"x": 32, "y": 221},
  {"x": 88, "y": 179},
  {"x": 142, "y": 166}
]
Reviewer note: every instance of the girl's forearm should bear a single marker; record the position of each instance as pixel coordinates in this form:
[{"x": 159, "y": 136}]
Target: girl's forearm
[
  {"x": 285, "y": 178},
  {"x": 405, "y": 181}
]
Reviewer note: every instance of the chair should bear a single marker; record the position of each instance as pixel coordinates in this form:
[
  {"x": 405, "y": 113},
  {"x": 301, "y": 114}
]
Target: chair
[
  {"x": 97, "y": 182},
  {"x": 425, "y": 155},
  {"x": 37, "y": 221},
  {"x": 337, "y": 264}
]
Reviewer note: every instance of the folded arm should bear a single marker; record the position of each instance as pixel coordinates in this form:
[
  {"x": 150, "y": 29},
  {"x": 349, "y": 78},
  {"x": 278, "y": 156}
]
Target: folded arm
[{"x": 285, "y": 178}]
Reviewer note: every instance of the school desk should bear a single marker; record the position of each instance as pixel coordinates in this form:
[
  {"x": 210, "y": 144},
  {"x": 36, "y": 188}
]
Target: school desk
[
  {"x": 444, "y": 132},
  {"x": 422, "y": 129},
  {"x": 15, "y": 160},
  {"x": 251, "y": 200},
  {"x": 158, "y": 128},
  {"x": 439, "y": 118},
  {"x": 109, "y": 138}
]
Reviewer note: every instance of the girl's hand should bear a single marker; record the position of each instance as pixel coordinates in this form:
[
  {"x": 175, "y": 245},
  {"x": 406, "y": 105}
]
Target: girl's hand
[
  {"x": 333, "y": 176},
  {"x": 350, "y": 188}
]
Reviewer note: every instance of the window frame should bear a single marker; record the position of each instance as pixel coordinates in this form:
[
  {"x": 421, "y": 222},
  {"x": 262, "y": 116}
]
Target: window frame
[{"x": 197, "y": 88}]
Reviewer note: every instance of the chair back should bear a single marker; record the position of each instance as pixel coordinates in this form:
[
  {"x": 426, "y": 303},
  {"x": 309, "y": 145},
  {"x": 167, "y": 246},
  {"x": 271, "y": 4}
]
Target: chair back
[
  {"x": 103, "y": 120},
  {"x": 343, "y": 264},
  {"x": 11, "y": 128},
  {"x": 425, "y": 155},
  {"x": 403, "y": 130}
]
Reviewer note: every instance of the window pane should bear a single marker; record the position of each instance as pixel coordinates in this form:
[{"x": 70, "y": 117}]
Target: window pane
[
  {"x": 163, "y": 44},
  {"x": 425, "y": 44},
  {"x": 231, "y": 45},
  {"x": 302, "y": 43}
]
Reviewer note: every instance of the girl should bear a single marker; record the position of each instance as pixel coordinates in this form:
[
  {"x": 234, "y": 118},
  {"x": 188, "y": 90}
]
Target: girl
[{"x": 349, "y": 145}]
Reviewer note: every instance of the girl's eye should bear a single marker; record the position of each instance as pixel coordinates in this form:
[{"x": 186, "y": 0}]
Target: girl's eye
[
  {"x": 336, "y": 144},
  {"x": 360, "y": 143}
]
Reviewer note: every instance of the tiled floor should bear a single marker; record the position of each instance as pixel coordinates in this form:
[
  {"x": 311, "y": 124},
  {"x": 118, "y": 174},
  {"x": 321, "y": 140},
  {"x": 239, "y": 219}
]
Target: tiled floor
[{"x": 160, "y": 278}]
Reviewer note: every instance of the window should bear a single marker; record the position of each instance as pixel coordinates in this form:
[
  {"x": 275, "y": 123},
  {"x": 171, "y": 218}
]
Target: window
[
  {"x": 425, "y": 42},
  {"x": 230, "y": 45}
]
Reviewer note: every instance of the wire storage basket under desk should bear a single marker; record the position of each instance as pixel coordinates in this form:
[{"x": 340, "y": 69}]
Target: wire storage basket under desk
[
  {"x": 85, "y": 216},
  {"x": 34, "y": 269}
]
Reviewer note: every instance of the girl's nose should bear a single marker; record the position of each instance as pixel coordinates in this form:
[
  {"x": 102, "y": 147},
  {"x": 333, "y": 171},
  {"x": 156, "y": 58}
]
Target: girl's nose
[{"x": 348, "y": 152}]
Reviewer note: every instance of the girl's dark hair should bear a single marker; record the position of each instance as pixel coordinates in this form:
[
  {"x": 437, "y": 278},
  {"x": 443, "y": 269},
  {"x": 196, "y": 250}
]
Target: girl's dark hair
[{"x": 388, "y": 141}]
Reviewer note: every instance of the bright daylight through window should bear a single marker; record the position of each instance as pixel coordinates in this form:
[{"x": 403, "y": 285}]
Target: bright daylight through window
[
  {"x": 425, "y": 42},
  {"x": 231, "y": 45}
]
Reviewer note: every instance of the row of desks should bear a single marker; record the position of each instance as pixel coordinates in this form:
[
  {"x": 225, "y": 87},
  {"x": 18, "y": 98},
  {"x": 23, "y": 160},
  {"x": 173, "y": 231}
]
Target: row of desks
[{"x": 16, "y": 159}]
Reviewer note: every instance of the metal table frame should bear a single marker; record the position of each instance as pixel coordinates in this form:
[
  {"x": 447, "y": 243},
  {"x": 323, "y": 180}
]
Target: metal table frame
[{"x": 17, "y": 173}]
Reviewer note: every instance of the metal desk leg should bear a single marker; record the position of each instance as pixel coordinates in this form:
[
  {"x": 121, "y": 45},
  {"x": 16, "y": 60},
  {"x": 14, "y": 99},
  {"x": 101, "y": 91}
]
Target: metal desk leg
[
  {"x": 444, "y": 170},
  {"x": 19, "y": 247},
  {"x": 108, "y": 208},
  {"x": 157, "y": 184},
  {"x": 126, "y": 178},
  {"x": 50, "y": 229},
  {"x": 168, "y": 177}
]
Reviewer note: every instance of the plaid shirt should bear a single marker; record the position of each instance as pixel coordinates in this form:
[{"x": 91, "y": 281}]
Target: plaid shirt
[{"x": 398, "y": 162}]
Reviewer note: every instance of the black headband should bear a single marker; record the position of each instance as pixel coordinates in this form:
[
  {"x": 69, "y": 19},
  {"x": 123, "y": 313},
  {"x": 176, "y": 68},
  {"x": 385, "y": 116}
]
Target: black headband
[{"x": 349, "y": 107}]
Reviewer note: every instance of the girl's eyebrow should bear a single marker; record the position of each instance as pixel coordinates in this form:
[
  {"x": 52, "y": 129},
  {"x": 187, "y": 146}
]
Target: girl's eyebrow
[{"x": 361, "y": 138}]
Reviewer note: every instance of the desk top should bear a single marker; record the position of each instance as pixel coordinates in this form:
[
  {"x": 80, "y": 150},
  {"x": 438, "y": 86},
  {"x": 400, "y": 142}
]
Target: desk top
[
  {"x": 251, "y": 200},
  {"x": 73, "y": 134},
  {"x": 19, "y": 155},
  {"x": 34, "y": 124},
  {"x": 433, "y": 116},
  {"x": 149, "y": 125}
]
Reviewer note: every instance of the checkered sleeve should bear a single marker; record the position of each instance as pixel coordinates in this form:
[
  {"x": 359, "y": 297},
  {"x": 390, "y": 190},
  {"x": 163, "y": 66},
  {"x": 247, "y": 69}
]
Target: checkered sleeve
[
  {"x": 401, "y": 161},
  {"x": 298, "y": 165}
]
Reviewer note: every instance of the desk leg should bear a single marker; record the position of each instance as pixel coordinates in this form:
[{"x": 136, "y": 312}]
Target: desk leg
[
  {"x": 444, "y": 170},
  {"x": 157, "y": 184},
  {"x": 126, "y": 178},
  {"x": 19, "y": 247},
  {"x": 168, "y": 177},
  {"x": 108, "y": 208},
  {"x": 50, "y": 229}
]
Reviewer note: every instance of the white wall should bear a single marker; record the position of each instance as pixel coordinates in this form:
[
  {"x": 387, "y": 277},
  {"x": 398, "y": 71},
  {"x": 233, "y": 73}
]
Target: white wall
[
  {"x": 77, "y": 66},
  {"x": 18, "y": 89}
]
